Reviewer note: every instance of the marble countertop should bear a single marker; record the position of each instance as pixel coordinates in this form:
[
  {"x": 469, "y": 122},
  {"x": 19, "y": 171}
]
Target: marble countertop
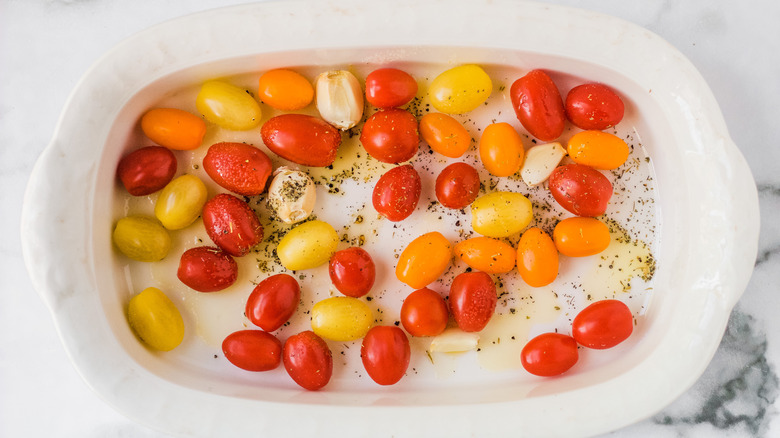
[{"x": 47, "y": 45}]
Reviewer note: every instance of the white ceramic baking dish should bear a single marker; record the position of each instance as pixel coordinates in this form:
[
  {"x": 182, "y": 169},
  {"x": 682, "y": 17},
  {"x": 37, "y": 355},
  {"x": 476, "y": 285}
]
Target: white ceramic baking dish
[{"x": 706, "y": 204}]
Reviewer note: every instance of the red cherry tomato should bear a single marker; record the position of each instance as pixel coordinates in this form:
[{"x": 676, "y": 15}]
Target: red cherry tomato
[
  {"x": 391, "y": 136},
  {"x": 397, "y": 193},
  {"x": 473, "y": 300},
  {"x": 603, "y": 324},
  {"x": 593, "y": 106},
  {"x": 390, "y": 87},
  {"x": 302, "y": 139},
  {"x": 385, "y": 353},
  {"x": 207, "y": 269},
  {"x": 424, "y": 313},
  {"x": 457, "y": 186},
  {"x": 581, "y": 190},
  {"x": 238, "y": 167},
  {"x": 147, "y": 170},
  {"x": 231, "y": 224},
  {"x": 352, "y": 271},
  {"x": 538, "y": 105},
  {"x": 253, "y": 350},
  {"x": 549, "y": 354},
  {"x": 308, "y": 360},
  {"x": 273, "y": 301}
]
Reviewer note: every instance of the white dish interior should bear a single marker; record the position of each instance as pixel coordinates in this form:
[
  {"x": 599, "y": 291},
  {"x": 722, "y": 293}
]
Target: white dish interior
[{"x": 705, "y": 212}]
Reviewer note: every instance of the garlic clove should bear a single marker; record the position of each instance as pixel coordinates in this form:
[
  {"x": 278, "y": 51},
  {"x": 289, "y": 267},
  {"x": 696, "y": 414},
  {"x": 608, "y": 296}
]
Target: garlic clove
[
  {"x": 291, "y": 195},
  {"x": 540, "y": 161},
  {"x": 454, "y": 340},
  {"x": 339, "y": 98}
]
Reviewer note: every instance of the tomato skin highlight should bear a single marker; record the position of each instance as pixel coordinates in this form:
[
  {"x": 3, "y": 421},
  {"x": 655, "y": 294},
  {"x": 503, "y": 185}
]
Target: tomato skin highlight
[
  {"x": 285, "y": 90},
  {"x": 538, "y": 105},
  {"x": 391, "y": 136},
  {"x": 549, "y": 354},
  {"x": 473, "y": 300},
  {"x": 424, "y": 260},
  {"x": 581, "y": 190},
  {"x": 173, "y": 128},
  {"x": 603, "y": 324},
  {"x": 397, "y": 193},
  {"x": 385, "y": 353},
  {"x": 594, "y": 106},
  {"x": 537, "y": 258},
  {"x": 487, "y": 254},
  {"x": 457, "y": 186},
  {"x": 390, "y": 87},
  {"x": 352, "y": 271},
  {"x": 252, "y": 350},
  {"x": 581, "y": 236},
  {"x": 501, "y": 149},
  {"x": 207, "y": 269},
  {"x": 241, "y": 168},
  {"x": 302, "y": 139},
  {"x": 308, "y": 360},
  {"x": 273, "y": 301},
  {"x": 146, "y": 170},
  {"x": 445, "y": 135},
  {"x": 231, "y": 224},
  {"x": 424, "y": 313}
]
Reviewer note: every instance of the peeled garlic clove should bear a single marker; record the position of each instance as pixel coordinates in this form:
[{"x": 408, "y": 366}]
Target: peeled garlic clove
[
  {"x": 291, "y": 195},
  {"x": 339, "y": 98},
  {"x": 540, "y": 161},
  {"x": 454, "y": 340}
]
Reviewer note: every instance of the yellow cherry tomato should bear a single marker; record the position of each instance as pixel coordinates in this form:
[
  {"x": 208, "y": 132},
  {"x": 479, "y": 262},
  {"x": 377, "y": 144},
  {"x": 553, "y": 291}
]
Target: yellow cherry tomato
[
  {"x": 501, "y": 149},
  {"x": 501, "y": 214},
  {"x": 444, "y": 134},
  {"x": 181, "y": 202},
  {"x": 173, "y": 128},
  {"x": 228, "y": 106},
  {"x": 142, "y": 239},
  {"x": 307, "y": 246},
  {"x": 424, "y": 260},
  {"x": 155, "y": 319},
  {"x": 581, "y": 236},
  {"x": 341, "y": 319},
  {"x": 460, "y": 89},
  {"x": 285, "y": 90},
  {"x": 601, "y": 150},
  {"x": 486, "y": 254},
  {"x": 537, "y": 258}
]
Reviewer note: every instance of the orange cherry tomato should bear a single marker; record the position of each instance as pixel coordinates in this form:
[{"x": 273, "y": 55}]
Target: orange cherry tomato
[
  {"x": 285, "y": 90},
  {"x": 424, "y": 260},
  {"x": 501, "y": 149},
  {"x": 486, "y": 254},
  {"x": 600, "y": 150},
  {"x": 537, "y": 258},
  {"x": 581, "y": 236},
  {"x": 445, "y": 135},
  {"x": 173, "y": 128}
]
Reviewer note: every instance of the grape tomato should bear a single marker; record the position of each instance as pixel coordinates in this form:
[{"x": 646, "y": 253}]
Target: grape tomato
[
  {"x": 445, "y": 135},
  {"x": 273, "y": 301},
  {"x": 457, "y": 186},
  {"x": 501, "y": 149},
  {"x": 600, "y": 150},
  {"x": 391, "y": 136},
  {"x": 581, "y": 236},
  {"x": 424, "y": 260},
  {"x": 424, "y": 313},
  {"x": 501, "y": 214},
  {"x": 308, "y": 360},
  {"x": 155, "y": 319},
  {"x": 141, "y": 238},
  {"x": 603, "y": 324},
  {"x": 253, "y": 350},
  {"x": 173, "y": 128},
  {"x": 241, "y": 168},
  {"x": 538, "y": 105},
  {"x": 302, "y": 139},
  {"x": 549, "y": 354},
  {"x": 352, "y": 271},
  {"x": 341, "y": 318},
  {"x": 460, "y": 89},
  {"x": 181, "y": 202},
  {"x": 285, "y": 90},
  {"x": 146, "y": 170},
  {"x": 385, "y": 353},
  {"x": 231, "y": 224},
  {"x": 307, "y": 246},
  {"x": 580, "y": 189},
  {"x": 207, "y": 269},
  {"x": 594, "y": 106},
  {"x": 228, "y": 106},
  {"x": 487, "y": 254},
  {"x": 473, "y": 300},
  {"x": 390, "y": 87},
  {"x": 397, "y": 193}
]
